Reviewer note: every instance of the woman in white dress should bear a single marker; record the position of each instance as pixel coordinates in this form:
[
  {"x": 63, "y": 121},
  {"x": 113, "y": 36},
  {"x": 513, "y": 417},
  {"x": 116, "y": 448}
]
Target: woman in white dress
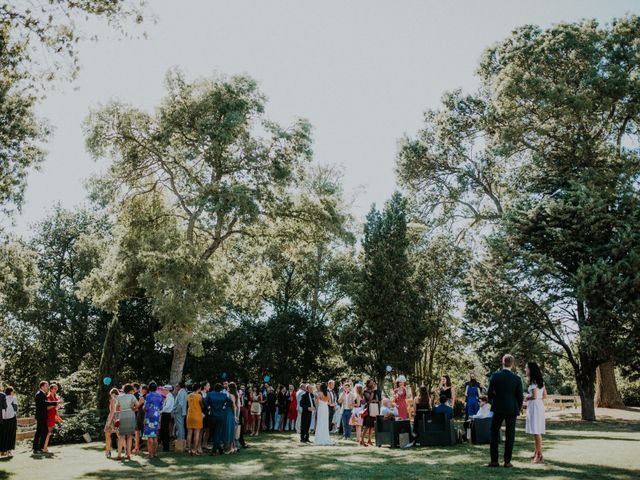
[
  {"x": 322, "y": 436},
  {"x": 536, "y": 393}
]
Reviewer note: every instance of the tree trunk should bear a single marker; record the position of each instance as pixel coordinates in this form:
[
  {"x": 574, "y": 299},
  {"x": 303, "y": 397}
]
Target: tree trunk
[
  {"x": 586, "y": 388},
  {"x": 180, "y": 350},
  {"x": 109, "y": 362},
  {"x": 607, "y": 394}
]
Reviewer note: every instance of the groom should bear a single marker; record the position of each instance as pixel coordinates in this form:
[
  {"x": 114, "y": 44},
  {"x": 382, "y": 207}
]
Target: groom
[
  {"x": 506, "y": 396},
  {"x": 307, "y": 404}
]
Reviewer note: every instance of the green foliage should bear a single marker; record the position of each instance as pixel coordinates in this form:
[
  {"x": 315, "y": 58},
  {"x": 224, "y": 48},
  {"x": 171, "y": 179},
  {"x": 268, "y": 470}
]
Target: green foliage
[
  {"x": 52, "y": 31},
  {"x": 545, "y": 155},
  {"x": 21, "y": 133},
  {"x": 383, "y": 330},
  {"x": 630, "y": 391},
  {"x": 188, "y": 180},
  {"x": 438, "y": 270},
  {"x": 51, "y": 333},
  {"x": 74, "y": 427}
]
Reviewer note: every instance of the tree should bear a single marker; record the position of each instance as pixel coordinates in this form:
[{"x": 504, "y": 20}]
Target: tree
[
  {"x": 439, "y": 266},
  {"x": 385, "y": 330},
  {"x": 555, "y": 121},
  {"x": 52, "y": 31},
  {"x": 213, "y": 177},
  {"x": 37, "y": 44},
  {"x": 20, "y": 132}
]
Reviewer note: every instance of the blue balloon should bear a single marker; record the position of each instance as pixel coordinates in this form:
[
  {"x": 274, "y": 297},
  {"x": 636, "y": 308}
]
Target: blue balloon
[
  {"x": 266, "y": 378},
  {"x": 106, "y": 380},
  {"x": 224, "y": 376}
]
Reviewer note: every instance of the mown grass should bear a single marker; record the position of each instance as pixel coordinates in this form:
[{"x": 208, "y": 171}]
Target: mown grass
[{"x": 605, "y": 450}]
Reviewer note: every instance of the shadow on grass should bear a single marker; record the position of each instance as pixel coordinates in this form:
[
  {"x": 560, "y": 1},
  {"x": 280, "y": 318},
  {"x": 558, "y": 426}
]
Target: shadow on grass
[{"x": 281, "y": 455}]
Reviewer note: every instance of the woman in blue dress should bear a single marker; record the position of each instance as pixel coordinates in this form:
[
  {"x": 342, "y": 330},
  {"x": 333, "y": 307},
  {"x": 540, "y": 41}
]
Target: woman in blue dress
[
  {"x": 472, "y": 392},
  {"x": 152, "y": 410},
  {"x": 232, "y": 419}
]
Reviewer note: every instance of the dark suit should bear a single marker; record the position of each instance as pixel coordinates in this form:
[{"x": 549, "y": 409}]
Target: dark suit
[
  {"x": 506, "y": 397},
  {"x": 217, "y": 404},
  {"x": 306, "y": 402},
  {"x": 41, "y": 420}
]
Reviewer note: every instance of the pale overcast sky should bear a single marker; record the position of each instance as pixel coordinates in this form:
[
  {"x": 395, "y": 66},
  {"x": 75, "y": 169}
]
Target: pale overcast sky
[{"x": 361, "y": 71}]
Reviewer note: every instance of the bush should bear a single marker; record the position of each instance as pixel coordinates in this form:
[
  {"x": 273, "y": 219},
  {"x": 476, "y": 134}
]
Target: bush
[
  {"x": 630, "y": 392},
  {"x": 73, "y": 427}
]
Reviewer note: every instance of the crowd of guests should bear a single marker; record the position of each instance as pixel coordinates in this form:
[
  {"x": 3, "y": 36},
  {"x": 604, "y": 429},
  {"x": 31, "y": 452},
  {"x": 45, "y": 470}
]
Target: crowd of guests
[{"x": 200, "y": 418}]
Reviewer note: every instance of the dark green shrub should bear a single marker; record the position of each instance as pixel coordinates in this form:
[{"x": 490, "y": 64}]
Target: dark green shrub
[{"x": 73, "y": 427}]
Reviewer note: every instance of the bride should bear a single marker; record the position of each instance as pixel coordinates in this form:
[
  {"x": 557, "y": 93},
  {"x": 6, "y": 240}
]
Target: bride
[{"x": 322, "y": 419}]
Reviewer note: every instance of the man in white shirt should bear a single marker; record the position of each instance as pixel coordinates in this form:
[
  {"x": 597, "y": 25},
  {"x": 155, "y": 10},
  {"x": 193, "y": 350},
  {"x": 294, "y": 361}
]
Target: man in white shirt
[
  {"x": 165, "y": 418},
  {"x": 485, "y": 410},
  {"x": 301, "y": 390}
]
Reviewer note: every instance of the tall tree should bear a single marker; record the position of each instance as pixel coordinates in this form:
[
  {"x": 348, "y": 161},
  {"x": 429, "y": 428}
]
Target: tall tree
[
  {"x": 439, "y": 266},
  {"x": 20, "y": 131},
  {"x": 555, "y": 127},
  {"x": 202, "y": 157},
  {"x": 385, "y": 331}
]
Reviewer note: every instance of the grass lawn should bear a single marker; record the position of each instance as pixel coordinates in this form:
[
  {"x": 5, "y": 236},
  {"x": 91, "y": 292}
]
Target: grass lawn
[{"x": 608, "y": 449}]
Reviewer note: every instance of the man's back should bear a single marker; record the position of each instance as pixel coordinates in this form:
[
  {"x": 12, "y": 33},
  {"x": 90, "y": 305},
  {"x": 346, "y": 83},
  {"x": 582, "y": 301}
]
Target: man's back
[
  {"x": 444, "y": 408},
  {"x": 505, "y": 392},
  {"x": 217, "y": 402}
]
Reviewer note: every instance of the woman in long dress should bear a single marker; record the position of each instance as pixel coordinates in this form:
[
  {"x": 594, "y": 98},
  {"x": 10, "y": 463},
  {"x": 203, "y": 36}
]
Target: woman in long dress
[
  {"x": 231, "y": 420},
  {"x": 322, "y": 436},
  {"x": 152, "y": 409},
  {"x": 472, "y": 394},
  {"x": 9, "y": 423},
  {"x": 536, "y": 393},
  {"x": 400, "y": 397}
]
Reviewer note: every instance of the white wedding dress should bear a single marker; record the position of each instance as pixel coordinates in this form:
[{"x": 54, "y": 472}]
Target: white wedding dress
[{"x": 322, "y": 436}]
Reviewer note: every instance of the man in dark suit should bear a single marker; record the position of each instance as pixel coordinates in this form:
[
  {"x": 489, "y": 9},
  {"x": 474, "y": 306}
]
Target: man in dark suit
[
  {"x": 506, "y": 396},
  {"x": 217, "y": 403},
  {"x": 307, "y": 403},
  {"x": 41, "y": 416}
]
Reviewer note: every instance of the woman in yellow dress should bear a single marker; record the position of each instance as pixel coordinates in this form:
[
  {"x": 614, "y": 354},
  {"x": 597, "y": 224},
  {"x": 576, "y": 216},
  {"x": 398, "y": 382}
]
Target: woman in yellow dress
[{"x": 195, "y": 407}]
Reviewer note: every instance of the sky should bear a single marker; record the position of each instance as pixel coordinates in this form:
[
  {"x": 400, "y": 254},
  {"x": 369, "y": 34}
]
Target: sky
[{"x": 362, "y": 72}]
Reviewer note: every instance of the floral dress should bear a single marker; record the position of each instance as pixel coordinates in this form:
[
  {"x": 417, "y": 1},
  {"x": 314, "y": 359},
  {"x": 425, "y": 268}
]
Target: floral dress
[{"x": 152, "y": 411}]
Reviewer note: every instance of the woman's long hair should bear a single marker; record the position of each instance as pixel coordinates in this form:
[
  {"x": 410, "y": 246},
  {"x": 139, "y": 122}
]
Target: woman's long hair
[
  {"x": 324, "y": 389},
  {"x": 535, "y": 374},
  {"x": 447, "y": 380}
]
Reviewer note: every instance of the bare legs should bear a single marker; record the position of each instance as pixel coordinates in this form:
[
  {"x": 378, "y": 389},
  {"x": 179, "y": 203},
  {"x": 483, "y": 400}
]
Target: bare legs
[
  {"x": 193, "y": 435},
  {"x": 107, "y": 444},
  {"x": 256, "y": 425},
  {"x": 152, "y": 446},
  {"x": 124, "y": 443},
  {"x": 45, "y": 449},
  {"x": 537, "y": 457}
]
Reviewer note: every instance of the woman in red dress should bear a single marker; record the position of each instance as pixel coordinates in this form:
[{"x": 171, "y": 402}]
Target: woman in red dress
[
  {"x": 293, "y": 410},
  {"x": 52, "y": 414},
  {"x": 400, "y": 397}
]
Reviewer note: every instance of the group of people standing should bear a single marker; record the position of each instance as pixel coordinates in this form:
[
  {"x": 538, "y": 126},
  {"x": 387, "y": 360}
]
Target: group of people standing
[
  {"x": 201, "y": 418},
  {"x": 195, "y": 415}
]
